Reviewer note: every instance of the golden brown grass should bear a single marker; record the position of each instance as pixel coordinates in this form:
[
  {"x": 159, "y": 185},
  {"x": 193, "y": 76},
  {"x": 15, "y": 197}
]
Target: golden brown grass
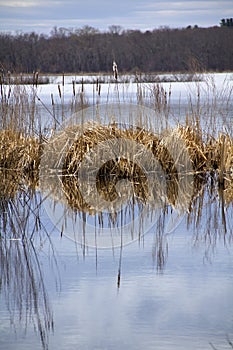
[
  {"x": 19, "y": 161},
  {"x": 121, "y": 168},
  {"x": 23, "y": 154},
  {"x": 18, "y": 152},
  {"x": 219, "y": 152},
  {"x": 21, "y": 150}
]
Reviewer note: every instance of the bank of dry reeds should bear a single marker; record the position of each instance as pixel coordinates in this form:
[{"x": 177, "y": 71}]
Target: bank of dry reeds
[
  {"x": 21, "y": 150},
  {"x": 23, "y": 154},
  {"x": 18, "y": 152},
  {"x": 19, "y": 161},
  {"x": 69, "y": 148},
  {"x": 219, "y": 153}
]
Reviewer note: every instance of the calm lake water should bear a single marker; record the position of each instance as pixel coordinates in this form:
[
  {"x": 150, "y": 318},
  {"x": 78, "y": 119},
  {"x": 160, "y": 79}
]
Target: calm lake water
[
  {"x": 169, "y": 287},
  {"x": 186, "y": 303}
]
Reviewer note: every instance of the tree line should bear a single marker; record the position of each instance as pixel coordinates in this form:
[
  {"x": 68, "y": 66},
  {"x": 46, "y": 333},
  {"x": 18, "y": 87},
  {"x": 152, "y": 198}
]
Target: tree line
[
  {"x": 87, "y": 49},
  {"x": 226, "y": 22}
]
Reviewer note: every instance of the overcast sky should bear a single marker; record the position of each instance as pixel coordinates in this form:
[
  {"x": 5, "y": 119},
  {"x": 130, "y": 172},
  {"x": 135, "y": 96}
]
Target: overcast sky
[{"x": 42, "y": 15}]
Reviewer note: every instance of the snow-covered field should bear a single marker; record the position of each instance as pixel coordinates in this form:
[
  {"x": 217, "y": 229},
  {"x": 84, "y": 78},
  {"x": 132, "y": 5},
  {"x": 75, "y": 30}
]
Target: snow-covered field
[
  {"x": 210, "y": 96},
  {"x": 216, "y": 85}
]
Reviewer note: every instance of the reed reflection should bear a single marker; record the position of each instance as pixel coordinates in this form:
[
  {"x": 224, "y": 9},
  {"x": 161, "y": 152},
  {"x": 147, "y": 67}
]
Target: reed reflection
[
  {"x": 91, "y": 174},
  {"x": 21, "y": 273},
  {"x": 210, "y": 217}
]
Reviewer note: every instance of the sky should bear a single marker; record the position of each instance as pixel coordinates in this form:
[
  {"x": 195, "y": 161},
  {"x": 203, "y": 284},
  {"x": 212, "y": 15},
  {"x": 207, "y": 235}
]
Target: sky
[{"x": 43, "y": 15}]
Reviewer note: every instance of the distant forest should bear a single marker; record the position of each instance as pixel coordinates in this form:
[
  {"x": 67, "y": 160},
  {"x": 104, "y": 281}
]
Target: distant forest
[{"x": 89, "y": 50}]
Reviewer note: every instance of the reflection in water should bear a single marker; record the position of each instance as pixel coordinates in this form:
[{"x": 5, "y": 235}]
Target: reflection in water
[
  {"x": 21, "y": 273},
  {"x": 208, "y": 210},
  {"x": 23, "y": 287},
  {"x": 118, "y": 177},
  {"x": 213, "y": 207}
]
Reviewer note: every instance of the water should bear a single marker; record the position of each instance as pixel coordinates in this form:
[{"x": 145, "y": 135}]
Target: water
[
  {"x": 173, "y": 290},
  {"x": 189, "y": 304},
  {"x": 168, "y": 289}
]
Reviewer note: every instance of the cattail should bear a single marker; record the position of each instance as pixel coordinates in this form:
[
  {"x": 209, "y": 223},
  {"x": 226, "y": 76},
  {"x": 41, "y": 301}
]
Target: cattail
[
  {"x": 59, "y": 90},
  {"x": 52, "y": 99},
  {"x": 73, "y": 83},
  {"x": 37, "y": 78},
  {"x": 119, "y": 279},
  {"x": 115, "y": 70}
]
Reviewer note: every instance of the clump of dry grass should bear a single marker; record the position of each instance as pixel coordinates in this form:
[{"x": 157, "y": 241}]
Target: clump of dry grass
[
  {"x": 195, "y": 146},
  {"x": 123, "y": 168},
  {"x": 220, "y": 158},
  {"x": 219, "y": 152},
  {"x": 95, "y": 134},
  {"x": 67, "y": 149},
  {"x": 203, "y": 158},
  {"x": 92, "y": 135},
  {"x": 115, "y": 169},
  {"x": 20, "y": 155}
]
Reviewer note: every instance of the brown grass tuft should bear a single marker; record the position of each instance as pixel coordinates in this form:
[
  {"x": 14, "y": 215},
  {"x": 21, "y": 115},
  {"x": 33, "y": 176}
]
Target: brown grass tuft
[{"x": 20, "y": 154}]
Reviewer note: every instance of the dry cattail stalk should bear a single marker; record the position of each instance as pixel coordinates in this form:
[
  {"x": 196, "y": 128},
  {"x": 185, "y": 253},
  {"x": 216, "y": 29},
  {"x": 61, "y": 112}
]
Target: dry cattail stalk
[
  {"x": 74, "y": 92},
  {"x": 59, "y": 90},
  {"x": 36, "y": 78},
  {"x": 115, "y": 70},
  {"x": 52, "y": 100}
]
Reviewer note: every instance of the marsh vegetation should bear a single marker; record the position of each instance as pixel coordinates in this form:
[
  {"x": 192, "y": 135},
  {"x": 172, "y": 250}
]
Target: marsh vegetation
[{"x": 40, "y": 157}]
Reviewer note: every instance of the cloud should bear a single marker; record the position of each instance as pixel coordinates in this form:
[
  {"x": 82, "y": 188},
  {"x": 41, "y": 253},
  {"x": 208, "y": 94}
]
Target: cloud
[
  {"x": 24, "y": 4},
  {"x": 179, "y": 306},
  {"x": 186, "y": 6},
  {"x": 183, "y": 13},
  {"x": 15, "y": 4},
  {"x": 139, "y": 14}
]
